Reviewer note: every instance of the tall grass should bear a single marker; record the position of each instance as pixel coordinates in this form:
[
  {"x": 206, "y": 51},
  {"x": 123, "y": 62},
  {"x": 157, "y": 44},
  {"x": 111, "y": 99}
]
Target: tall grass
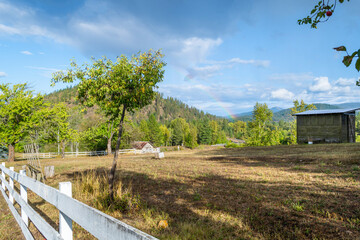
[{"x": 93, "y": 186}]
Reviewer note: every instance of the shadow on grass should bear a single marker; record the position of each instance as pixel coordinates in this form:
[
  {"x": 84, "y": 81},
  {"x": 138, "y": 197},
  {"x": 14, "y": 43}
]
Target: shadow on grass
[
  {"x": 334, "y": 160},
  {"x": 212, "y": 206}
]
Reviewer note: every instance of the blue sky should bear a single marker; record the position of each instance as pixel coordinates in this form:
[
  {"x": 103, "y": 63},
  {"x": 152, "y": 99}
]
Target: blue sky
[{"x": 222, "y": 56}]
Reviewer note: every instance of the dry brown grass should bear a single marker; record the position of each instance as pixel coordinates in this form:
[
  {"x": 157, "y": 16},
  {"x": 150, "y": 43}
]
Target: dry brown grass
[{"x": 281, "y": 192}]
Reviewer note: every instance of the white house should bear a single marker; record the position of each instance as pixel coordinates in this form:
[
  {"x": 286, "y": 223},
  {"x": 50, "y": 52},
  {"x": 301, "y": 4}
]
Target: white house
[{"x": 145, "y": 147}]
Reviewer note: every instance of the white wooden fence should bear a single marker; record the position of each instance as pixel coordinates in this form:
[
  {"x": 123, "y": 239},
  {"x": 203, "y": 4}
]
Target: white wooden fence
[
  {"x": 90, "y": 153},
  {"x": 100, "y": 225},
  {"x": 67, "y": 154},
  {"x": 139, "y": 151}
]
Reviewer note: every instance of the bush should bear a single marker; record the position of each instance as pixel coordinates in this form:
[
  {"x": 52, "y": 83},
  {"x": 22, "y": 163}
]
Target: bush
[{"x": 233, "y": 145}]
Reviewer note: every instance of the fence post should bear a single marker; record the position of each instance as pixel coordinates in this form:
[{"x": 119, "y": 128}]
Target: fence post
[
  {"x": 3, "y": 175},
  {"x": 23, "y": 194},
  {"x": 11, "y": 183},
  {"x": 65, "y": 223}
]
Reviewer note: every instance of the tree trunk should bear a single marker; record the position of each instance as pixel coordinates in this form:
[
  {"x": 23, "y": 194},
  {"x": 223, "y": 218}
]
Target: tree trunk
[
  {"x": 109, "y": 145},
  {"x": 58, "y": 142},
  {"x": 110, "y": 130},
  {"x": 113, "y": 167},
  {"x": 11, "y": 156},
  {"x": 63, "y": 145}
]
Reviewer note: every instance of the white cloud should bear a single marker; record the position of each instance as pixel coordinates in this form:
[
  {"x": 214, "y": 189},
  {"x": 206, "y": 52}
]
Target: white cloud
[
  {"x": 8, "y": 30},
  {"x": 292, "y": 77},
  {"x": 345, "y": 82},
  {"x": 282, "y": 94},
  {"x": 44, "y": 68},
  {"x": 26, "y": 52},
  {"x": 259, "y": 63},
  {"x": 203, "y": 72},
  {"x": 8, "y": 11},
  {"x": 44, "y": 71},
  {"x": 214, "y": 67},
  {"x": 320, "y": 84},
  {"x": 192, "y": 51},
  {"x": 3, "y": 74}
]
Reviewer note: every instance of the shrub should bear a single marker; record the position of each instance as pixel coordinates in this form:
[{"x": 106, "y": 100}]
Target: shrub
[{"x": 233, "y": 145}]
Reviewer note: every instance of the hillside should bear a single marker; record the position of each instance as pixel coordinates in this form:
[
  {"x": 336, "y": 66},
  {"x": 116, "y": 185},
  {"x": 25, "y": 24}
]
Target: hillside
[
  {"x": 284, "y": 114},
  {"x": 164, "y": 109}
]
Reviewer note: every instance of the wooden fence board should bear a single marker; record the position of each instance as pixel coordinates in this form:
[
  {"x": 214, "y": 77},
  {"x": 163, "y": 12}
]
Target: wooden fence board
[{"x": 97, "y": 223}]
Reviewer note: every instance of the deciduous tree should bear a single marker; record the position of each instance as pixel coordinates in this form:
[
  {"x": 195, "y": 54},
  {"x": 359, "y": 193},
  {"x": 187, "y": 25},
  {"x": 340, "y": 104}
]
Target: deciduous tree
[
  {"x": 117, "y": 87},
  {"x": 18, "y": 107},
  {"x": 259, "y": 126},
  {"x": 61, "y": 130}
]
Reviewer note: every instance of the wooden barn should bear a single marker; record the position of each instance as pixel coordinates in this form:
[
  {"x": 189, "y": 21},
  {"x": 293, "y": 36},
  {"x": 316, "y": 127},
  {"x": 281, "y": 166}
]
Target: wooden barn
[{"x": 326, "y": 126}]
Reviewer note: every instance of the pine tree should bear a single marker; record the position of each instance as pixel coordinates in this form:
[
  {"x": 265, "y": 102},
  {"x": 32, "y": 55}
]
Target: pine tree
[
  {"x": 154, "y": 131},
  {"x": 204, "y": 132}
]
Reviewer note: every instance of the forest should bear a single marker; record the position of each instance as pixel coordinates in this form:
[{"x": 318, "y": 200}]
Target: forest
[{"x": 57, "y": 122}]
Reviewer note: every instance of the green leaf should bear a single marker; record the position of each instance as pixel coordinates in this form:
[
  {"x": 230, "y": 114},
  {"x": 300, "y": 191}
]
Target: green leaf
[
  {"x": 354, "y": 53},
  {"x": 341, "y": 48},
  {"x": 347, "y": 60},
  {"x": 357, "y": 65}
]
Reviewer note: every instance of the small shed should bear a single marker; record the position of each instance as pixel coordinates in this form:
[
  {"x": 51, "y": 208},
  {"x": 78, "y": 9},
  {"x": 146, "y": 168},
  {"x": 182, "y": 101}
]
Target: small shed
[
  {"x": 145, "y": 147},
  {"x": 329, "y": 126}
]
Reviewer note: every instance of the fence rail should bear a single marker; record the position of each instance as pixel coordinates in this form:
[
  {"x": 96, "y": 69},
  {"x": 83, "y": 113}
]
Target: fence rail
[
  {"x": 139, "y": 151},
  {"x": 90, "y": 153},
  {"x": 97, "y": 223},
  {"x": 67, "y": 154}
]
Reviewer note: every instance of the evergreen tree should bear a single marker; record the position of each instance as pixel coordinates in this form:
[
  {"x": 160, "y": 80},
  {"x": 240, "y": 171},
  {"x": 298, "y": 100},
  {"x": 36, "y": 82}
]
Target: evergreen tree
[
  {"x": 154, "y": 131},
  {"x": 204, "y": 135},
  {"x": 191, "y": 137}
]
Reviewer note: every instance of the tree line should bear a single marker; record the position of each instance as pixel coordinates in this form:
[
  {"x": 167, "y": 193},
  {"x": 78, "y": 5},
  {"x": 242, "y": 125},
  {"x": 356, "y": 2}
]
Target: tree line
[{"x": 28, "y": 118}]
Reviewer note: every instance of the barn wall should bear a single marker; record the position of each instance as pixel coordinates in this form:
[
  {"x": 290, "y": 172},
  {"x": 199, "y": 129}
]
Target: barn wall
[
  {"x": 344, "y": 128},
  {"x": 321, "y": 128},
  {"x": 351, "y": 128}
]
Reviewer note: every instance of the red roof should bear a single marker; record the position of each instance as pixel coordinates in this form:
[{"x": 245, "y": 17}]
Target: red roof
[{"x": 139, "y": 145}]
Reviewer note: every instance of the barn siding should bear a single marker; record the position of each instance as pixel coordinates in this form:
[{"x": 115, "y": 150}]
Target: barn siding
[{"x": 321, "y": 128}]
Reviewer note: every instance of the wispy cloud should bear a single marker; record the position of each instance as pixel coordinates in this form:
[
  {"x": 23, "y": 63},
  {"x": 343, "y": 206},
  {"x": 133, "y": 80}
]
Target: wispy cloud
[
  {"x": 44, "y": 71},
  {"x": 26, "y": 52},
  {"x": 44, "y": 68},
  {"x": 293, "y": 77},
  {"x": 258, "y": 63},
  {"x": 345, "y": 82},
  {"x": 6, "y": 30},
  {"x": 214, "y": 67},
  {"x": 3, "y": 74}
]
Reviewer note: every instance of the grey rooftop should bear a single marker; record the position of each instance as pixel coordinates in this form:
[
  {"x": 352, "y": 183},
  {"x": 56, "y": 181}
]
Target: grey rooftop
[{"x": 327, "y": 111}]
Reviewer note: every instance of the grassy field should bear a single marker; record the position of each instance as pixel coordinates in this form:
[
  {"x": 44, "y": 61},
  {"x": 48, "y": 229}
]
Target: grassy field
[{"x": 280, "y": 192}]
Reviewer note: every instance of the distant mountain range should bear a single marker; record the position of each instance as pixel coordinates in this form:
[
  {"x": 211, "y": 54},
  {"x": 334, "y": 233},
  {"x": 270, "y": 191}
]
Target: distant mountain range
[{"x": 284, "y": 114}]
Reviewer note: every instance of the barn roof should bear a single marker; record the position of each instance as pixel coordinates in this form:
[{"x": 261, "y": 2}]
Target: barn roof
[
  {"x": 327, "y": 111},
  {"x": 139, "y": 144}
]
